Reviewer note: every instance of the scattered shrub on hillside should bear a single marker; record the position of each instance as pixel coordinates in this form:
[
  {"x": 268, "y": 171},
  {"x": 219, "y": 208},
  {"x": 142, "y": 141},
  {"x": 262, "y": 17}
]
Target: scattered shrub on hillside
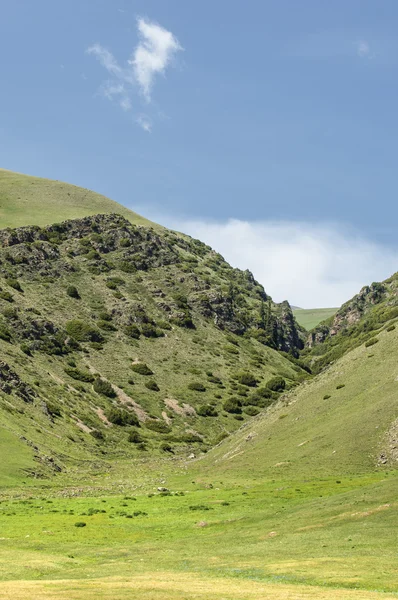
[
  {"x": 371, "y": 342},
  {"x": 246, "y": 378},
  {"x": 183, "y": 319},
  {"x": 196, "y": 386},
  {"x": 166, "y": 447},
  {"x": 101, "y": 386},
  {"x": 232, "y": 405},
  {"x": 25, "y": 348},
  {"x": 327, "y": 396},
  {"x": 53, "y": 409},
  {"x": 132, "y": 331},
  {"x": 134, "y": 437},
  {"x": 104, "y": 316},
  {"x": 98, "y": 435},
  {"x": 4, "y": 333},
  {"x": 276, "y": 384},
  {"x": 340, "y": 386},
  {"x": 141, "y": 368},
  {"x": 157, "y": 426},
  {"x": 125, "y": 242},
  {"x": 252, "y": 411},
  {"x": 150, "y": 331},
  {"x": 127, "y": 267},
  {"x": 163, "y": 324},
  {"x": 106, "y": 325},
  {"x": 6, "y": 296},
  {"x": 82, "y": 332},
  {"x": 222, "y": 436},
  {"x": 79, "y": 375},
  {"x": 121, "y": 417},
  {"x": 200, "y": 507},
  {"x": 391, "y": 328},
  {"x": 80, "y": 524},
  {"x": 111, "y": 285},
  {"x": 206, "y": 410},
  {"x": 14, "y": 283},
  {"x": 73, "y": 292},
  {"x": 152, "y": 385},
  {"x": 231, "y": 349}
]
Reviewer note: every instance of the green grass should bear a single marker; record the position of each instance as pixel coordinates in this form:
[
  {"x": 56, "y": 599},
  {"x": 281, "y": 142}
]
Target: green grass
[
  {"x": 16, "y": 458},
  {"x": 26, "y": 200},
  {"x": 311, "y": 317}
]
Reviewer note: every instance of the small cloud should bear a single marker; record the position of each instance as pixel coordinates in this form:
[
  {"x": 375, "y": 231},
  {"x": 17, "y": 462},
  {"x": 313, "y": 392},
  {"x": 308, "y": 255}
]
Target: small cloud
[
  {"x": 153, "y": 54},
  {"x": 151, "y": 57},
  {"x": 363, "y": 49},
  {"x": 145, "y": 122}
]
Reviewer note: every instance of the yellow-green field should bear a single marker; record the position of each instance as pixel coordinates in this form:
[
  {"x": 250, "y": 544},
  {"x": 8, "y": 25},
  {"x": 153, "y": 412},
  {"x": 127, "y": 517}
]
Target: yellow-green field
[{"x": 311, "y": 317}]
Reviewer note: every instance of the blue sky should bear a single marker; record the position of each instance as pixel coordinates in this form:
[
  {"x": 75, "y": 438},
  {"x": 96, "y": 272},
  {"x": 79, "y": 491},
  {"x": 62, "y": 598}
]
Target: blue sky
[{"x": 271, "y": 114}]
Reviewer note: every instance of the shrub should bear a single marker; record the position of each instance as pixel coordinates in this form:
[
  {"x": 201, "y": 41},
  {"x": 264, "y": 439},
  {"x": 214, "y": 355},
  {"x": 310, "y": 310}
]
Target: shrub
[
  {"x": 25, "y": 348},
  {"x": 190, "y": 438},
  {"x": 231, "y": 349},
  {"x": 79, "y": 375},
  {"x": 252, "y": 411},
  {"x": 232, "y": 405},
  {"x": 6, "y": 296},
  {"x": 152, "y": 385},
  {"x": 4, "y": 333},
  {"x": 132, "y": 331},
  {"x": 104, "y": 316},
  {"x": 53, "y": 409},
  {"x": 196, "y": 386},
  {"x": 150, "y": 331},
  {"x": 141, "y": 368},
  {"x": 134, "y": 437},
  {"x": 121, "y": 417},
  {"x": 327, "y": 396},
  {"x": 111, "y": 285},
  {"x": 106, "y": 325},
  {"x": 371, "y": 342},
  {"x": 340, "y": 386},
  {"x": 101, "y": 386},
  {"x": 158, "y": 426},
  {"x": 246, "y": 378},
  {"x": 206, "y": 410},
  {"x": 80, "y": 524},
  {"x": 276, "y": 384},
  {"x": 200, "y": 507},
  {"x": 98, "y": 435},
  {"x": 166, "y": 447},
  {"x": 82, "y": 332},
  {"x": 73, "y": 292},
  {"x": 391, "y": 328},
  {"x": 14, "y": 283},
  {"x": 125, "y": 242}
]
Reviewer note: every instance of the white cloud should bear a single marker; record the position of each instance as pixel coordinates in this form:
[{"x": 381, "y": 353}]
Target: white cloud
[
  {"x": 153, "y": 54},
  {"x": 145, "y": 122},
  {"x": 363, "y": 49},
  {"x": 309, "y": 265}
]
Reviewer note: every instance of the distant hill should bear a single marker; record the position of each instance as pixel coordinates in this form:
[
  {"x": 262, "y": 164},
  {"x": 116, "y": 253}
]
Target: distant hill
[
  {"x": 26, "y": 200},
  {"x": 311, "y": 317}
]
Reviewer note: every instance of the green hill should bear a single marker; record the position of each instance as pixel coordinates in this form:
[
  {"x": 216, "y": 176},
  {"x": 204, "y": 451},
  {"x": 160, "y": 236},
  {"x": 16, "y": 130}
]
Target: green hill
[
  {"x": 311, "y": 317},
  {"x": 26, "y": 200}
]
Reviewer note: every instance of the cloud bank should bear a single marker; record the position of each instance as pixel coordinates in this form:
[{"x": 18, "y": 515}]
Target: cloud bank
[
  {"x": 312, "y": 266},
  {"x": 151, "y": 57}
]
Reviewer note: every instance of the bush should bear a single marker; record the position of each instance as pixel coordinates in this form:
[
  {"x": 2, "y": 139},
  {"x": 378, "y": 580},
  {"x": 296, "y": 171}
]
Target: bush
[
  {"x": 276, "y": 384},
  {"x": 246, "y": 378},
  {"x": 327, "y": 396},
  {"x": 101, "y": 386},
  {"x": 14, "y": 283},
  {"x": 79, "y": 375},
  {"x": 150, "y": 331},
  {"x": 53, "y": 409},
  {"x": 98, "y": 435},
  {"x": 80, "y": 524},
  {"x": 391, "y": 328},
  {"x": 206, "y": 410},
  {"x": 134, "y": 437},
  {"x": 132, "y": 331},
  {"x": 166, "y": 447},
  {"x": 25, "y": 348},
  {"x": 121, "y": 417},
  {"x": 157, "y": 426},
  {"x": 232, "y": 405},
  {"x": 106, "y": 325},
  {"x": 371, "y": 342},
  {"x": 125, "y": 243},
  {"x": 6, "y": 296},
  {"x": 4, "y": 333},
  {"x": 141, "y": 368},
  {"x": 73, "y": 292},
  {"x": 340, "y": 386},
  {"x": 82, "y": 332},
  {"x": 152, "y": 385},
  {"x": 252, "y": 411},
  {"x": 196, "y": 386}
]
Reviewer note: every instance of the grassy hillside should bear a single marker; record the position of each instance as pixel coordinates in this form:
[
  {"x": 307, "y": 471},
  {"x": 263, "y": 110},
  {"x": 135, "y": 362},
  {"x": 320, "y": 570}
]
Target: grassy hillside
[
  {"x": 337, "y": 423},
  {"x": 311, "y": 317},
  {"x": 26, "y": 200},
  {"x": 118, "y": 340}
]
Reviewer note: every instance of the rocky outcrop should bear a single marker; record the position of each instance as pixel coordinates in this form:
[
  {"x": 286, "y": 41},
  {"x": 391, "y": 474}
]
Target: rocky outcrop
[{"x": 10, "y": 382}]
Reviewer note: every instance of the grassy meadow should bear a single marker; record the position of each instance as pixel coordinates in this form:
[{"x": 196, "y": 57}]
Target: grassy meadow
[{"x": 311, "y": 317}]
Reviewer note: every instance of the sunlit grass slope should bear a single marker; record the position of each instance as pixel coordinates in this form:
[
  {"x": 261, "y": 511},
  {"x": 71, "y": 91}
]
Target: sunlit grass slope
[
  {"x": 26, "y": 200},
  {"x": 311, "y": 317},
  {"x": 337, "y": 423}
]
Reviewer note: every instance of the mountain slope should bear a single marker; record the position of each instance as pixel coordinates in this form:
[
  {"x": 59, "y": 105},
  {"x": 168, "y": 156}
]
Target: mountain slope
[
  {"x": 344, "y": 421},
  {"x": 26, "y": 200},
  {"x": 311, "y": 317},
  {"x": 117, "y": 340}
]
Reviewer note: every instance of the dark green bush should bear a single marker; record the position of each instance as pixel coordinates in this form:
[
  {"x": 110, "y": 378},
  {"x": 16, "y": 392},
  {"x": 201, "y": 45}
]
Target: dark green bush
[
  {"x": 157, "y": 426},
  {"x": 371, "y": 342},
  {"x": 26, "y": 349},
  {"x": 252, "y": 411},
  {"x": 246, "y": 378},
  {"x": 4, "y": 333},
  {"x": 6, "y": 296},
  {"x": 106, "y": 325},
  {"x": 196, "y": 386},
  {"x": 14, "y": 283},
  {"x": 276, "y": 384},
  {"x": 150, "y": 331},
  {"x": 152, "y": 385},
  {"x": 166, "y": 447},
  {"x": 134, "y": 437},
  {"x": 327, "y": 396},
  {"x": 121, "y": 417},
  {"x": 132, "y": 331},
  {"x": 98, "y": 435},
  {"x": 232, "y": 405},
  {"x": 141, "y": 368},
  {"x": 53, "y": 409},
  {"x": 73, "y": 292},
  {"x": 79, "y": 375},
  {"x": 125, "y": 242},
  {"x": 101, "y": 386},
  {"x": 82, "y": 332},
  {"x": 391, "y": 328},
  {"x": 80, "y": 524},
  {"x": 111, "y": 285},
  {"x": 206, "y": 410},
  {"x": 340, "y": 386}
]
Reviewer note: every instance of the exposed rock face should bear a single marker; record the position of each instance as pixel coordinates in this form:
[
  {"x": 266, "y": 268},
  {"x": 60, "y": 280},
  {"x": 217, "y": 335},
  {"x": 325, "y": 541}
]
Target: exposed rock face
[{"x": 10, "y": 382}]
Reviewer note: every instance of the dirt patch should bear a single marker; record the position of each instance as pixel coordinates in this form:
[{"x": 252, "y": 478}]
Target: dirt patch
[
  {"x": 125, "y": 399},
  {"x": 102, "y": 416},
  {"x": 186, "y": 410}
]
